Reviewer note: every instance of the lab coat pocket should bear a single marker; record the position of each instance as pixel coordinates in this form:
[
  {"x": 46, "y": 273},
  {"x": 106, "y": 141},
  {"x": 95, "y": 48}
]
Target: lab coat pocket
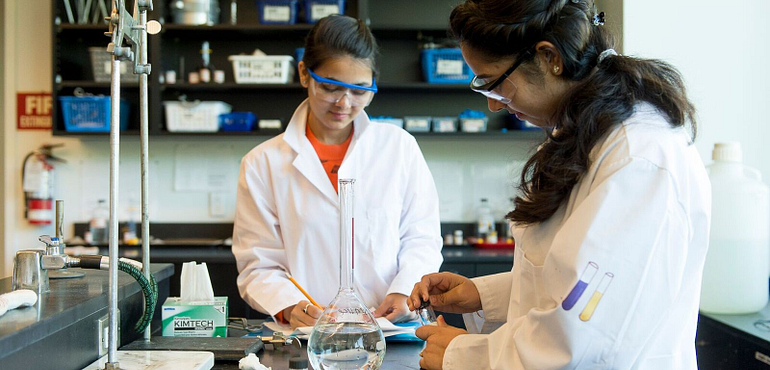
[{"x": 528, "y": 284}]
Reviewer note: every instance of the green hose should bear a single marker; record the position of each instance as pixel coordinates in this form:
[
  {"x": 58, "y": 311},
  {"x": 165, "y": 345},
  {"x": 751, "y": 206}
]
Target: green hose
[{"x": 149, "y": 289}]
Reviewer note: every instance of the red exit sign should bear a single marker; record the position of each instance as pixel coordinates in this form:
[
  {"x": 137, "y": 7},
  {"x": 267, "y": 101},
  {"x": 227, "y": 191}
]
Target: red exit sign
[{"x": 33, "y": 111}]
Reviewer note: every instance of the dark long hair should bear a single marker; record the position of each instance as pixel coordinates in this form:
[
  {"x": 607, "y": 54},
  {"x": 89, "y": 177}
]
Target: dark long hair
[
  {"x": 603, "y": 98},
  {"x": 339, "y": 35}
]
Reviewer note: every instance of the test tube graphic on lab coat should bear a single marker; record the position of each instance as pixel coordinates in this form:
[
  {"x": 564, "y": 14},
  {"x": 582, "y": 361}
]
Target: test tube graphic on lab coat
[
  {"x": 598, "y": 294},
  {"x": 585, "y": 278}
]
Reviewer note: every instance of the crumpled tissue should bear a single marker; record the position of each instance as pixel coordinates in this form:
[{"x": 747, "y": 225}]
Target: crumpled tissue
[{"x": 251, "y": 362}]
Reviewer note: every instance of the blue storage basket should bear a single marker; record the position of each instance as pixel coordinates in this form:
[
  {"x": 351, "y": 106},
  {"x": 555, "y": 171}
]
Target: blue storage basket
[
  {"x": 299, "y": 53},
  {"x": 90, "y": 113},
  {"x": 278, "y": 12},
  {"x": 237, "y": 121},
  {"x": 322, "y": 8},
  {"x": 441, "y": 66}
]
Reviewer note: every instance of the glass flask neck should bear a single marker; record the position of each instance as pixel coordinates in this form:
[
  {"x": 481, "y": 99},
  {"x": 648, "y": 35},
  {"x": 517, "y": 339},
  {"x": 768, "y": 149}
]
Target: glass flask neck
[{"x": 347, "y": 234}]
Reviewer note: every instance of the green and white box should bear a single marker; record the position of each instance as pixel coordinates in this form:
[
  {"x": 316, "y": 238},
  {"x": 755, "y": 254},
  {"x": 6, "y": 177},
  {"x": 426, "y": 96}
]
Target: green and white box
[{"x": 195, "y": 319}]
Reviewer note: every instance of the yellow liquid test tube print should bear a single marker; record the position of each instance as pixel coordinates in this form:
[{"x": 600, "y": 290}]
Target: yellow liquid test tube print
[{"x": 588, "y": 311}]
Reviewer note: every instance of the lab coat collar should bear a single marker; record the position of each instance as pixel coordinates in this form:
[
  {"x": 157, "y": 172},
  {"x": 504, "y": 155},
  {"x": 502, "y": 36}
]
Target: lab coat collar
[{"x": 307, "y": 162}]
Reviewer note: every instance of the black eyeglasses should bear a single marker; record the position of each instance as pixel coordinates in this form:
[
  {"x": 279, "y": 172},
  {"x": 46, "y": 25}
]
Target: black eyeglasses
[{"x": 480, "y": 85}]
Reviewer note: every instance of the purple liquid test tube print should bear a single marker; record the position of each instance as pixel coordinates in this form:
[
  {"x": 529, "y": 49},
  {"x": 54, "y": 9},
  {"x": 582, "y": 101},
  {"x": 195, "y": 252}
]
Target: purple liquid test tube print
[{"x": 585, "y": 278}]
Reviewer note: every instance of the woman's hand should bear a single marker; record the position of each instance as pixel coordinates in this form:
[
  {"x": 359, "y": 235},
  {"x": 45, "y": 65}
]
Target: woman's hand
[
  {"x": 394, "y": 308},
  {"x": 303, "y": 313},
  {"x": 446, "y": 292},
  {"x": 437, "y": 338}
]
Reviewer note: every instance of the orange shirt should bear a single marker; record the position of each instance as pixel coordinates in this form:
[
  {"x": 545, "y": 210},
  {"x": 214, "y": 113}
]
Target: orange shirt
[{"x": 331, "y": 156}]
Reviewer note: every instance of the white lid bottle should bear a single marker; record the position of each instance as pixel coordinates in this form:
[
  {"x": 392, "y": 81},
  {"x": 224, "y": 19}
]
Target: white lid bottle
[{"x": 735, "y": 275}]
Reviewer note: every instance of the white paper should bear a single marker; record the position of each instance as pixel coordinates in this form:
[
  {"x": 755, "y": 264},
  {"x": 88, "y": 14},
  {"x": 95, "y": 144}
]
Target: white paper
[
  {"x": 274, "y": 13},
  {"x": 449, "y": 67},
  {"x": 388, "y": 328},
  {"x": 203, "y": 169},
  {"x": 318, "y": 11}
]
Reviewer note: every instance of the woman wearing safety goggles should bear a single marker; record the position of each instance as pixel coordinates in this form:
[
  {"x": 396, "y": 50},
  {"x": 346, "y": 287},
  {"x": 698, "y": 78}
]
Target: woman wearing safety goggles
[{"x": 287, "y": 216}]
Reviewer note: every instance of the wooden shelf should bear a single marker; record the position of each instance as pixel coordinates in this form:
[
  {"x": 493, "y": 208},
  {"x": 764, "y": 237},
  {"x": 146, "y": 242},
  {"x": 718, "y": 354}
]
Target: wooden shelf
[
  {"x": 81, "y": 27},
  {"x": 230, "y": 86},
  {"x": 401, "y": 91},
  {"x": 296, "y": 85},
  {"x": 93, "y": 84},
  {"x": 83, "y": 134},
  {"x": 239, "y": 28}
]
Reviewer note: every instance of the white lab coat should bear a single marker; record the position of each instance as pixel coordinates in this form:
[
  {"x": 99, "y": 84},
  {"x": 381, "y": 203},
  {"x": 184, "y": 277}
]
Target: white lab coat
[
  {"x": 287, "y": 217},
  {"x": 641, "y": 212}
]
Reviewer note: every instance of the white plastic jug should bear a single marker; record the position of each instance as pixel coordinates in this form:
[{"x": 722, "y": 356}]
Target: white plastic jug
[{"x": 735, "y": 276}]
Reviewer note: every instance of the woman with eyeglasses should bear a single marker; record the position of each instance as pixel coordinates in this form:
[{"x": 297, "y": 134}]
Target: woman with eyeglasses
[
  {"x": 287, "y": 215},
  {"x": 611, "y": 224}
]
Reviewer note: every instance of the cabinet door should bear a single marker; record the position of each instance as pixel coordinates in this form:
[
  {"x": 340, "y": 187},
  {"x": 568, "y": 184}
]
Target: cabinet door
[
  {"x": 492, "y": 268},
  {"x": 464, "y": 269}
]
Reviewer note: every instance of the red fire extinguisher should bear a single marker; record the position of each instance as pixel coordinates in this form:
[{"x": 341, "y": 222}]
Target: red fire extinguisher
[{"x": 37, "y": 176}]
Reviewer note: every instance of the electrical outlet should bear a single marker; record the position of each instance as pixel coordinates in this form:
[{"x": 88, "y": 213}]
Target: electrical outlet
[
  {"x": 217, "y": 204},
  {"x": 102, "y": 334}
]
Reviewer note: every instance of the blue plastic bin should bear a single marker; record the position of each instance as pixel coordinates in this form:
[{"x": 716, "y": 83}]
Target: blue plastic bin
[
  {"x": 317, "y": 9},
  {"x": 90, "y": 113},
  {"x": 277, "y": 11},
  {"x": 445, "y": 66},
  {"x": 299, "y": 53},
  {"x": 237, "y": 121}
]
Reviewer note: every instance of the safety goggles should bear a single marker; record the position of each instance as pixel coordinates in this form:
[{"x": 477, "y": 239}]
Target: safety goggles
[
  {"x": 495, "y": 89},
  {"x": 333, "y": 91}
]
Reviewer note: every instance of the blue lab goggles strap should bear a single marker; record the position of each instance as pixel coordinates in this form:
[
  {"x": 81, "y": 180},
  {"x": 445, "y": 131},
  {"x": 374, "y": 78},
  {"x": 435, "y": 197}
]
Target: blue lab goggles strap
[{"x": 318, "y": 78}]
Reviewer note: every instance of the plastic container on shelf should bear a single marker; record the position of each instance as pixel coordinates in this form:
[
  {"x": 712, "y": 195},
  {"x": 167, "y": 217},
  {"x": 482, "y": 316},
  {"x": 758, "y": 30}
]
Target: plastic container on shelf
[
  {"x": 262, "y": 69},
  {"x": 445, "y": 65},
  {"x": 417, "y": 124},
  {"x": 514, "y": 123},
  {"x": 399, "y": 122},
  {"x": 317, "y": 9},
  {"x": 473, "y": 121},
  {"x": 735, "y": 275},
  {"x": 101, "y": 65},
  {"x": 444, "y": 124},
  {"x": 197, "y": 116},
  {"x": 277, "y": 11},
  {"x": 91, "y": 113},
  {"x": 237, "y": 121}
]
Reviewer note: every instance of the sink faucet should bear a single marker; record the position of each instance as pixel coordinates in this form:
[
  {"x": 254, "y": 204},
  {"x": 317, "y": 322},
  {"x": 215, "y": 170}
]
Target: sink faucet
[{"x": 30, "y": 266}]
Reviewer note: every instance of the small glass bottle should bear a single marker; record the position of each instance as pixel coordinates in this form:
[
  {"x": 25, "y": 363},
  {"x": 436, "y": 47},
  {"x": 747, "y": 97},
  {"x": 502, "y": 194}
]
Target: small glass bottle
[
  {"x": 97, "y": 226},
  {"x": 485, "y": 220},
  {"x": 206, "y": 70},
  {"x": 346, "y": 336}
]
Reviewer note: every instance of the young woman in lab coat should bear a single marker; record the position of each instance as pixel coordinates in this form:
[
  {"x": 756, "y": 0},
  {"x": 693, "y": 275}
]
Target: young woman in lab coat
[
  {"x": 287, "y": 215},
  {"x": 611, "y": 227}
]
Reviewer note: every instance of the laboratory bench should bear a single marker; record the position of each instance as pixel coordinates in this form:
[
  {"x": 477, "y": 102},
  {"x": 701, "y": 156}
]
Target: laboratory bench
[
  {"x": 727, "y": 342},
  {"x": 61, "y": 330},
  {"x": 179, "y": 243}
]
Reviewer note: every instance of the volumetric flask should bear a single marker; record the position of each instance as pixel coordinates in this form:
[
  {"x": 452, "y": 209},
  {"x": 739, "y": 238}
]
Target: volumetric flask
[{"x": 346, "y": 336}]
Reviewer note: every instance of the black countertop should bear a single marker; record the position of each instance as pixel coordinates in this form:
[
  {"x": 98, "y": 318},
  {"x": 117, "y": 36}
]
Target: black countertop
[
  {"x": 69, "y": 301},
  {"x": 221, "y": 253},
  {"x": 398, "y": 356}
]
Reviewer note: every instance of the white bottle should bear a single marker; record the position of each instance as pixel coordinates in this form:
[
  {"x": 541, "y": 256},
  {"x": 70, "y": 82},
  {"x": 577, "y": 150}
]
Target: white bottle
[
  {"x": 98, "y": 223},
  {"x": 735, "y": 276},
  {"x": 485, "y": 222}
]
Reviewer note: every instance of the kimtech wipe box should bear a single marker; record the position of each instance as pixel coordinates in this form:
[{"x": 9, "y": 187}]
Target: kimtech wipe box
[{"x": 195, "y": 319}]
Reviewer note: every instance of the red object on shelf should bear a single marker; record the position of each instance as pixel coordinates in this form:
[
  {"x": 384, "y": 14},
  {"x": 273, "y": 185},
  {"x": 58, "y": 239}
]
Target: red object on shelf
[{"x": 502, "y": 245}]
